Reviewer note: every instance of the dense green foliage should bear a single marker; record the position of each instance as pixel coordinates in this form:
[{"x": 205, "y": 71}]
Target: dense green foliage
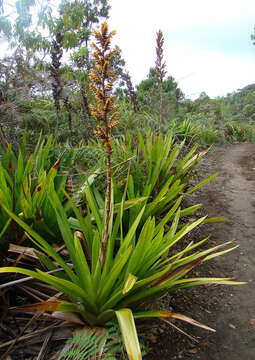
[{"x": 23, "y": 188}]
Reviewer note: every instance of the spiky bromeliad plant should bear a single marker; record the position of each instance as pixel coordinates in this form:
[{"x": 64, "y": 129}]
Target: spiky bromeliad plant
[
  {"x": 23, "y": 186},
  {"x": 116, "y": 279}
]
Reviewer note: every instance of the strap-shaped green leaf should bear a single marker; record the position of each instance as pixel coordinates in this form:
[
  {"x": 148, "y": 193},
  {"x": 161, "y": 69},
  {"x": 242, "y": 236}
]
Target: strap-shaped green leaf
[
  {"x": 168, "y": 216},
  {"x": 94, "y": 207},
  {"x": 138, "y": 253},
  {"x": 43, "y": 244},
  {"x": 81, "y": 223},
  {"x": 206, "y": 181},
  {"x": 128, "y": 238},
  {"x": 63, "y": 226},
  {"x": 83, "y": 270},
  {"x": 69, "y": 288},
  {"x": 108, "y": 280},
  {"x": 129, "y": 334}
]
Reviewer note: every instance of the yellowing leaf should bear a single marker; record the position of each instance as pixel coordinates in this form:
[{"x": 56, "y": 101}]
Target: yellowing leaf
[
  {"x": 128, "y": 330},
  {"x": 130, "y": 282},
  {"x": 168, "y": 314},
  {"x": 51, "y": 305}
]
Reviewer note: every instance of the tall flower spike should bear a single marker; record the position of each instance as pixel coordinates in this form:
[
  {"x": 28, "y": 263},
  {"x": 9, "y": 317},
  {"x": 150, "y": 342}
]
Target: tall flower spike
[
  {"x": 102, "y": 83},
  {"x": 160, "y": 69}
]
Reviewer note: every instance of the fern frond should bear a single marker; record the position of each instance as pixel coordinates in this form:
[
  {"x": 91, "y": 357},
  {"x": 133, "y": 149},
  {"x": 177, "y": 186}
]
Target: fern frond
[{"x": 91, "y": 344}]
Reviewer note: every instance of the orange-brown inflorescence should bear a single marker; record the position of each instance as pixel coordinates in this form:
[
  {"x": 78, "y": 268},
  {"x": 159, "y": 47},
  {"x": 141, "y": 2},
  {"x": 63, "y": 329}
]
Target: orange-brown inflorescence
[
  {"x": 102, "y": 82},
  {"x": 160, "y": 65},
  {"x": 160, "y": 68}
]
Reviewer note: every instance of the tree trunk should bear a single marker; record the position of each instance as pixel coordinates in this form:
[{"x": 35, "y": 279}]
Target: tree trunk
[
  {"x": 85, "y": 108},
  {"x": 57, "y": 110},
  {"x": 57, "y": 87},
  {"x": 68, "y": 109},
  {"x": 3, "y": 139}
]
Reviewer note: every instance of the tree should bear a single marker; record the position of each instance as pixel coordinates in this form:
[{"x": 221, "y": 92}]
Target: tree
[
  {"x": 203, "y": 96},
  {"x": 77, "y": 18},
  {"x": 63, "y": 33},
  {"x": 57, "y": 87},
  {"x": 148, "y": 94},
  {"x": 179, "y": 97},
  {"x": 20, "y": 84}
]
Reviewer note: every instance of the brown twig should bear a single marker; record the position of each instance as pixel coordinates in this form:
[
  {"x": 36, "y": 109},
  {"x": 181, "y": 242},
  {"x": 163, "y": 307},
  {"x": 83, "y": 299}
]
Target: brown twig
[
  {"x": 180, "y": 330},
  {"x": 44, "y": 345}
]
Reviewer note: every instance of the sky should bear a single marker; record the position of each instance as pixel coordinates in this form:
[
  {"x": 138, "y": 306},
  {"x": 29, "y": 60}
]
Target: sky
[{"x": 207, "y": 45}]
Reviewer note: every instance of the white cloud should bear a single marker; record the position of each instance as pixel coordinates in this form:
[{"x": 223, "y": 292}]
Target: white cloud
[
  {"x": 169, "y": 14},
  {"x": 210, "y": 71},
  {"x": 197, "y": 69}
]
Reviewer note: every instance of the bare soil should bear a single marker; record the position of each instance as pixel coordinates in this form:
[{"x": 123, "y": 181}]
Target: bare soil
[{"x": 230, "y": 310}]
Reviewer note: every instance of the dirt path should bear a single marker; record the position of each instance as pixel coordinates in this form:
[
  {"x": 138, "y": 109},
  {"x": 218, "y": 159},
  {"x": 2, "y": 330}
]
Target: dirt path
[
  {"x": 229, "y": 310},
  {"x": 235, "y": 319}
]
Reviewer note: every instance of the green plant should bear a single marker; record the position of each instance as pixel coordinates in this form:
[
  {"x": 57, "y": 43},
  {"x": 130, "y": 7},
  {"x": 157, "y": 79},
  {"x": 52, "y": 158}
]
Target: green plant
[
  {"x": 158, "y": 173},
  {"x": 238, "y": 132},
  {"x": 97, "y": 343},
  {"x": 134, "y": 271},
  {"x": 184, "y": 130},
  {"x": 23, "y": 185},
  {"x": 91, "y": 344},
  {"x": 130, "y": 122},
  {"x": 208, "y": 136}
]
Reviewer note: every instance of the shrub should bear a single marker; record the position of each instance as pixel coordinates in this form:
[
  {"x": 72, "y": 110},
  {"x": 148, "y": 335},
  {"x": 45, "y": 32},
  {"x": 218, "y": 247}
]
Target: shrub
[
  {"x": 240, "y": 133},
  {"x": 184, "y": 130}
]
